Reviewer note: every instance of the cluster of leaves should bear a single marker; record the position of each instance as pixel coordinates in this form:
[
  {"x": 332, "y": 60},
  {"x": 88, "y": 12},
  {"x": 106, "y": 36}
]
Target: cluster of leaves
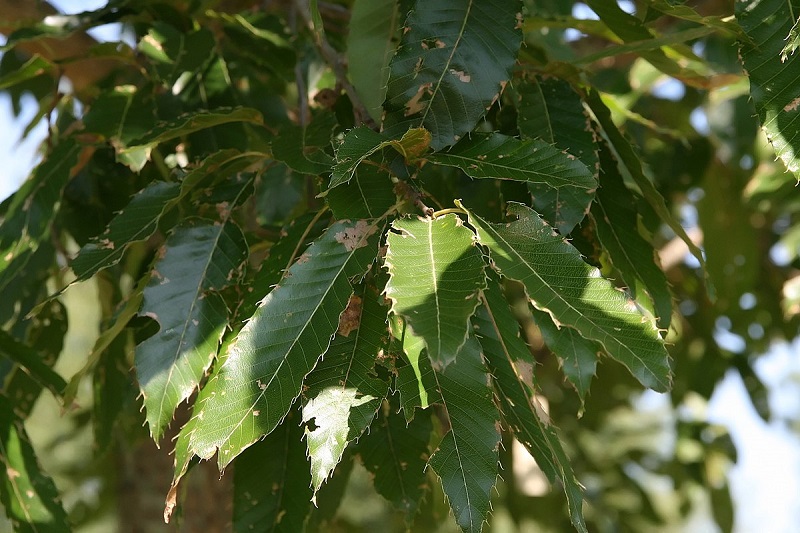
[{"x": 343, "y": 257}]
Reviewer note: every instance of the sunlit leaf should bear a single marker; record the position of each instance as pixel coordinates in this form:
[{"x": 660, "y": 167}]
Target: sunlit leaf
[
  {"x": 774, "y": 84},
  {"x": 199, "y": 257},
  {"x": 435, "y": 272},
  {"x": 258, "y": 378},
  {"x": 559, "y": 282},
  {"x": 342, "y": 394},
  {"x": 450, "y": 66}
]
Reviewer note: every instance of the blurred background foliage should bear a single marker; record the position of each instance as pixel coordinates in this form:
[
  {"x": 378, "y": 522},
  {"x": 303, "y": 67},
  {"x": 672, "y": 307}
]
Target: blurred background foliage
[{"x": 648, "y": 462}]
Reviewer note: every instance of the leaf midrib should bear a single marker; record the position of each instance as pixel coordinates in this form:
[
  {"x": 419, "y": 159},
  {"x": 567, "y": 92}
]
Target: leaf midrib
[
  {"x": 510, "y": 248},
  {"x": 303, "y": 329},
  {"x": 447, "y": 64}
]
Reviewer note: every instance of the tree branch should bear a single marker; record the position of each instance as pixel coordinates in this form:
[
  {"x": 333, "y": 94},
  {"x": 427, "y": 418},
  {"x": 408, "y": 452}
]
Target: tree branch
[{"x": 337, "y": 64}]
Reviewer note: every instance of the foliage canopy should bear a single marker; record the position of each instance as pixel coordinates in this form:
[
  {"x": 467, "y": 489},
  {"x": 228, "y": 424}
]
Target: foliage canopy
[{"x": 400, "y": 234}]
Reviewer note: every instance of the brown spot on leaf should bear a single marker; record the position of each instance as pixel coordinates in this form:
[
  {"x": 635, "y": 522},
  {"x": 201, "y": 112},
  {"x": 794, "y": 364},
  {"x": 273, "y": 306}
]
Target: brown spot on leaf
[
  {"x": 350, "y": 318},
  {"x": 355, "y": 237},
  {"x": 223, "y": 210},
  {"x": 791, "y": 106},
  {"x": 416, "y": 105},
  {"x": 461, "y": 75}
]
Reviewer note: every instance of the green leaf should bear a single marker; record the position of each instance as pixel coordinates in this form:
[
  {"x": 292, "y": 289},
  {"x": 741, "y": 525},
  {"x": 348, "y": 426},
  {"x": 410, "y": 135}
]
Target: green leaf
[
  {"x": 450, "y": 66},
  {"x": 578, "y": 356},
  {"x": 303, "y": 149},
  {"x": 774, "y": 84},
  {"x": 258, "y": 378},
  {"x": 35, "y": 66},
  {"x": 358, "y": 145},
  {"x": 140, "y": 218},
  {"x": 294, "y": 237},
  {"x": 362, "y": 142},
  {"x": 559, "y": 282},
  {"x": 498, "y": 156},
  {"x": 685, "y": 12},
  {"x": 32, "y": 362},
  {"x": 128, "y": 310},
  {"x": 370, "y": 45},
  {"x": 792, "y": 41},
  {"x": 29, "y": 496},
  {"x": 435, "y": 273},
  {"x": 466, "y": 460},
  {"x": 369, "y": 194},
  {"x": 46, "y": 337},
  {"x": 632, "y": 30},
  {"x": 342, "y": 394},
  {"x": 616, "y": 220},
  {"x": 271, "y": 482},
  {"x": 137, "y": 151},
  {"x": 511, "y": 365},
  {"x": 549, "y": 109},
  {"x": 114, "y": 390},
  {"x": 135, "y": 223},
  {"x": 630, "y": 163},
  {"x": 415, "y": 380},
  {"x": 27, "y": 222},
  {"x": 395, "y": 452},
  {"x": 199, "y": 256},
  {"x": 121, "y": 115},
  {"x": 177, "y": 55}
]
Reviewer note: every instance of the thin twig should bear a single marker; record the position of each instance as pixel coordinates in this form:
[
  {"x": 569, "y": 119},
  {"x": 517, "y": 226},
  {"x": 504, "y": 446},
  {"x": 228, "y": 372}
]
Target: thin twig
[{"x": 337, "y": 64}]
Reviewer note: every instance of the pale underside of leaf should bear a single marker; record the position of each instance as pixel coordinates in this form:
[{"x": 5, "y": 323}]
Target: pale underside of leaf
[{"x": 435, "y": 272}]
